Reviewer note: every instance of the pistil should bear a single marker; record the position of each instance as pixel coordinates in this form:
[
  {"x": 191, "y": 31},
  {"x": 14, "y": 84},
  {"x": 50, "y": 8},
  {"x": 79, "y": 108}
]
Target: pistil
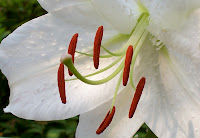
[
  {"x": 100, "y": 71},
  {"x": 67, "y": 60}
]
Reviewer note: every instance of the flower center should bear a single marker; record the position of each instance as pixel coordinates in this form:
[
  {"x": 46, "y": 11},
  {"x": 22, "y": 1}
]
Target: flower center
[{"x": 127, "y": 55}]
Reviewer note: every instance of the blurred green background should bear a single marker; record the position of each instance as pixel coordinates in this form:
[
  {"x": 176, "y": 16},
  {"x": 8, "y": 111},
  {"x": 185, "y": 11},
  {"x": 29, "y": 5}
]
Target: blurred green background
[{"x": 13, "y": 13}]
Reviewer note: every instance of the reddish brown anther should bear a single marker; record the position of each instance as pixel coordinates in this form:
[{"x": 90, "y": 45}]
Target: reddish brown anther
[
  {"x": 61, "y": 83},
  {"x": 129, "y": 55},
  {"x": 97, "y": 45},
  {"x": 106, "y": 122},
  {"x": 136, "y": 97},
  {"x": 72, "y": 48}
]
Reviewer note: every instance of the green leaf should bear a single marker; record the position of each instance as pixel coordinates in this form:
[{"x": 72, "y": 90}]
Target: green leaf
[{"x": 55, "y": 133}]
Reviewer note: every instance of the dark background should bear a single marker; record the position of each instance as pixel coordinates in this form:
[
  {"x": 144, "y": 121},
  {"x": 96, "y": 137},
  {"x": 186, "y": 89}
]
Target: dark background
[{"x": 13, "y": 13}]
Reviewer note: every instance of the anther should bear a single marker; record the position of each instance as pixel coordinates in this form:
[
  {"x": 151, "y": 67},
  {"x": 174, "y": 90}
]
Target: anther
[
  {"x": 129, "y": 55},
  {"x": 97, "y": 45},
  {"x": 61, "y": 83},
  {"x": 106, "y": 122},
  {"x": 72, "y": 49},
  {"x": 136, "y": 97}
]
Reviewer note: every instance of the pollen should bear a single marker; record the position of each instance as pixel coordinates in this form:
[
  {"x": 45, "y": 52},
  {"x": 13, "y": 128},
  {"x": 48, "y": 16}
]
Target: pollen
[
  {"x": 72, "y": 48},
  {"x": 136, "y": 97},
  {"x": 61, "y": 83},
  {"x": 106, "y": 122},
  {"x": 97, "y": 46},
  {"x": 128, "y": 59}
]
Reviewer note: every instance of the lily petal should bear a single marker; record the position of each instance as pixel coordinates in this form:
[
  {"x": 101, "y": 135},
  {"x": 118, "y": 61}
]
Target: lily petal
[
  {"x": 185, "y": 39},
  {"x": 51, "y": 5},
  {"x": 122, "y": 14},
  {"x": 170, "y": 14},
  {"x": 127, "y": 10},
  {"x": 29, "y": 58},
  {"x": 171, "y": 94},
  {"x": 121, "y": 126}
]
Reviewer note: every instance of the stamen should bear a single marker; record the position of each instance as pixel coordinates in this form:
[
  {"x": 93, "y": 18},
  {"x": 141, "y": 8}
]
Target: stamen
[
  {"x": 128, "y": 60},
  {"x": 61, "y": 83},
  {"x": 106, "y": 122},
  {"x": 138, "y": 31},
  {"x": 135, "y": 54},
  {"x": 136, "y": 97},
  {"x": 116, "y": 90},
  {"x": 114, "y": 40},
  {"x": 111, "y": 54},
  {"x": 97, "y": 45},
  {"x": 72, "y": 48},
  {"x": 114, "y": 54},
  {"x": 90, "y": 55}
]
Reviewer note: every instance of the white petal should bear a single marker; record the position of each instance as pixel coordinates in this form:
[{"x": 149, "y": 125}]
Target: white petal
[
  {"x": 51, "y": 5},
  {"x": 120, "y": 127},
  {"x": 29, "y": 58},
  {"x": 122, "y": 14},
  {"x": 170, "y": 14},
  {"x": 45, "y": 39},
  {"x": 185, "y": 39},
  {"x": 170, "y": 101}
]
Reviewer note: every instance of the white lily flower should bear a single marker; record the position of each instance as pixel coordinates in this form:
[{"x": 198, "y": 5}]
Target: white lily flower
[{"x": 166, "y": 38}]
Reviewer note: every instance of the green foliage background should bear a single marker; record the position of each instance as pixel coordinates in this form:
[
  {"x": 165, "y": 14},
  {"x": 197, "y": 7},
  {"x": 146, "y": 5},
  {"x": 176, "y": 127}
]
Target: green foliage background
[{"x": 13, "y": 13}]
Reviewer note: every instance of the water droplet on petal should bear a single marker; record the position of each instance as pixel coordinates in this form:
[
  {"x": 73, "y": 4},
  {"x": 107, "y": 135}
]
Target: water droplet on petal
[
  {"x": 54, "y": 43},
  {"x": 43, "y": 55},
  {"x": 199, "y": 45}
]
